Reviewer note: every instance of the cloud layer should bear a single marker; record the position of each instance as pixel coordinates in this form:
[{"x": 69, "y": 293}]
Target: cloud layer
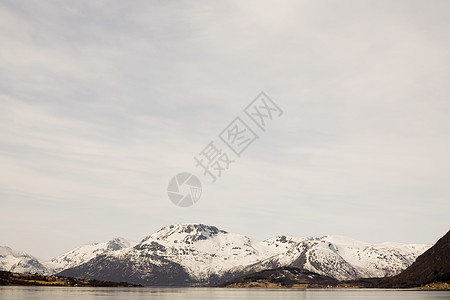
[{"x": 102, "y": 103}]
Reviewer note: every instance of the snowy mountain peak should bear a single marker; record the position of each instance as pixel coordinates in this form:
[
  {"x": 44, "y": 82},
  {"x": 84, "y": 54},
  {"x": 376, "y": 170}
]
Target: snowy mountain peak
[
  {"x": 118, "y": 244},
  {"x": 87, "y": 252},
  {"x": 346, "y": 258},
  {"x": 15, "y": 261},
  {"x": 282, "y": 243},
  {"x": 184, "y": 233}
]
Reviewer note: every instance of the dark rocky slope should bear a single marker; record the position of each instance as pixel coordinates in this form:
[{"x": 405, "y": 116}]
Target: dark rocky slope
[{"x": 432, "y": 266}]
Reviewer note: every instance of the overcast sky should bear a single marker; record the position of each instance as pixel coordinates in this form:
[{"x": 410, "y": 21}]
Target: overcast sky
[{"x": 102, "y": 102}]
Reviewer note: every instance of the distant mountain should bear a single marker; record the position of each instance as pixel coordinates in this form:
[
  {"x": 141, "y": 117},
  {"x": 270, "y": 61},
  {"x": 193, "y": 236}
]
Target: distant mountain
[
  {"x": 340, "y": 257},
  {"x": 202, "y": 255},
  {"x": 432, "y": 266},
  {"x": 85, "y": 253},
  {"x": 20, "y": 262},
  {"x": 197, "y": 254},
  {"x": 282, "y": 277},
  {"x": 184, "y": 254}
]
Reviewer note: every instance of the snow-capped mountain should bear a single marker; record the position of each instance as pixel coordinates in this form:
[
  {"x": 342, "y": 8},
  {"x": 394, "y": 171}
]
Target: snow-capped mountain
[
  {"x": 184, "y": 254},
  {"x": 20, "y": 262},
  {"x": 205, "y": 251},
  {"x": 342, "y": 258},
  {"x": 197, "y": 254},
  {"x": 85, "y": 253}
]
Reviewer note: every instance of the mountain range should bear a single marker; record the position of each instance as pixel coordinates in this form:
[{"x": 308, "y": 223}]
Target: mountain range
[
  {"x": 430, "y": 271},
  {"x": 203, "y": 255}
]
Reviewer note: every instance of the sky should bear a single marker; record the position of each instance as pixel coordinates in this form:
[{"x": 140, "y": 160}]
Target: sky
[{"x": 103, "y": 102}]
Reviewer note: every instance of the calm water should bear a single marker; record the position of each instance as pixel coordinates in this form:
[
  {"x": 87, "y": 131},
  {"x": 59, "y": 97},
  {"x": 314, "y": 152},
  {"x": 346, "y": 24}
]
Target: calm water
[{"x": 56, "y": 293}]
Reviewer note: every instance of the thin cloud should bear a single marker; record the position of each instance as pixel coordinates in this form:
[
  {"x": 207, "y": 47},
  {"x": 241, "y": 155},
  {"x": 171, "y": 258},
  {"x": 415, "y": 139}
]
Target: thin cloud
[{"x": 102, "y": 103}]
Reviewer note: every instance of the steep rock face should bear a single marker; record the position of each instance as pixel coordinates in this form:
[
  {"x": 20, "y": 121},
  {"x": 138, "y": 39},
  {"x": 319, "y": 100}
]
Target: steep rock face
[
  {"x": 431, "y": 266},
  {"x": 198, "y": 254},
  {"x": 20, "y": 262}
]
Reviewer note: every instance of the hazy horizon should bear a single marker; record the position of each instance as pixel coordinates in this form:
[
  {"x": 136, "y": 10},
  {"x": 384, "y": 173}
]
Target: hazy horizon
[{"x": 102, "y": 103}]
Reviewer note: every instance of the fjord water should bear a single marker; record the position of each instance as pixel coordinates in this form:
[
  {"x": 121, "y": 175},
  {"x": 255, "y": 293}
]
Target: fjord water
[{"x": 60, "y": 293}]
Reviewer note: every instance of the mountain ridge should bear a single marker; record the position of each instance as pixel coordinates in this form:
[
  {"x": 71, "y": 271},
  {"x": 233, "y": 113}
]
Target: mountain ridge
[
  {"x": 199, "y": 254},
  {"x": 85, "y": 253},
  {"x": 21, "y": 262}
]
